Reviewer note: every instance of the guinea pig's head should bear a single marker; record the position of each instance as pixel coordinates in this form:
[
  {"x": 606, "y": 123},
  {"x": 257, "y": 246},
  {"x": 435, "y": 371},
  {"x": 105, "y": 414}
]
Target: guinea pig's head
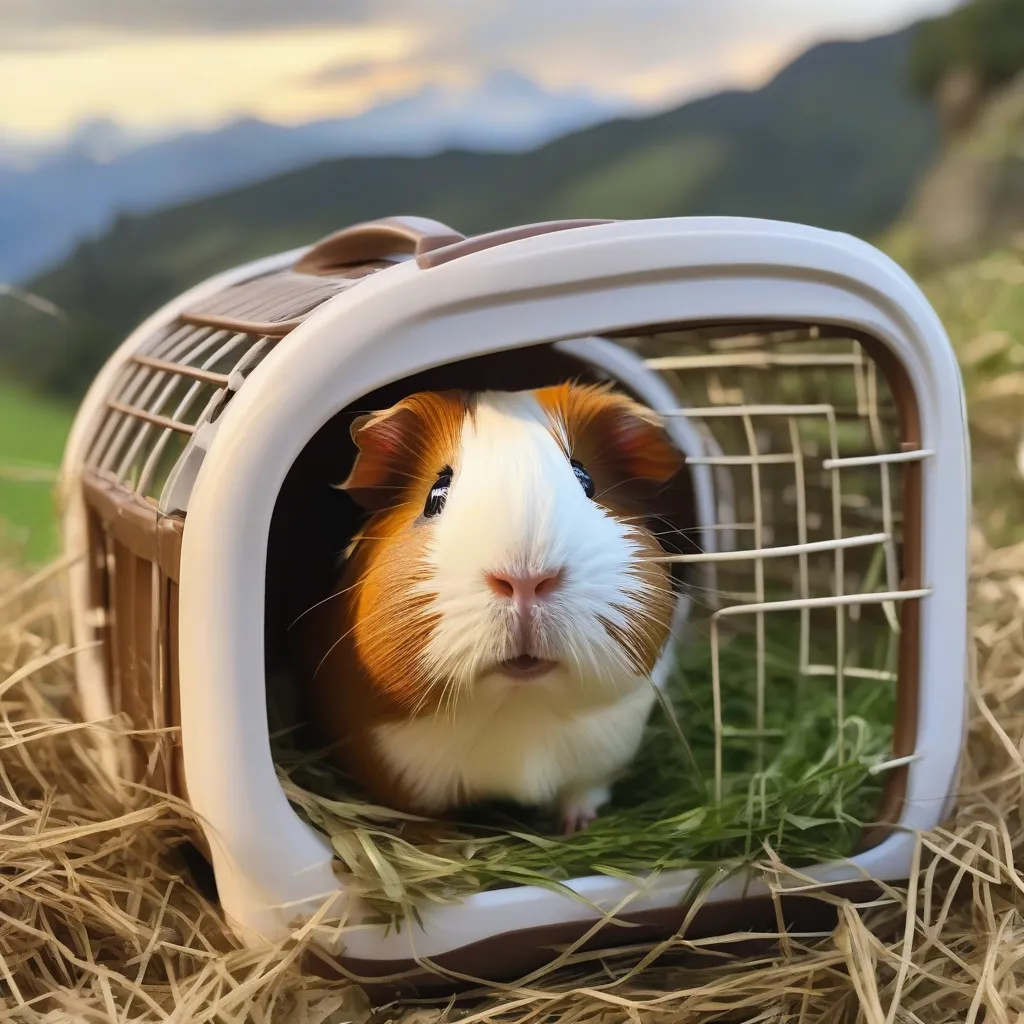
[{"x": 509, "y": 546}]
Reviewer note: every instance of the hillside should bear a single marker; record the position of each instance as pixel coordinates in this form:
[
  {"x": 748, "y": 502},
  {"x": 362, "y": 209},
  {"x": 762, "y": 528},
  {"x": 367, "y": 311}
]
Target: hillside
[
  {"x": 32, "y": 435},
  {"x": 836, "y": 140},
  {"x": 972, "y": 200},
  {"x": 50, "y": 203}
]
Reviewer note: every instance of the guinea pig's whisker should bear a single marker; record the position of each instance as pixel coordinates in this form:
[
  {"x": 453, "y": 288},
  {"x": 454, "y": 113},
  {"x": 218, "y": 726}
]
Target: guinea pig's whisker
[
  {"x": 365, "y": 620},
  {"x": 685, "y": 584},
  {"x": 330, "y": 651},
  {"x": 625, "y": 481},
  {"x": 380, "y": 612},
  {"x": 442, "y": 698},
  {"x": 384, "y": 539},
  {"x": 430, "y": 685},
  {"x": 610, "y": 677},
  {"x": 447, "y": 700},
  {"x": 629, "y": 637},
  {"x": 386, "y": 654},
  {"x": 451, "y": 694},
  {"x": 360, "y": 537},
  {"x": 625, "y": 642},
  {"x": 645, "y": 521},
  {"x": 424, "y": 696},
  {"x": 694, "y": 591},
  {"x": 643, "y": 613},
  {"x": 673, "y": 529},
  {"x": 330, "y": 597},
  {"x": 685, "y": 531},
  {"x": 572, "y": 646}
]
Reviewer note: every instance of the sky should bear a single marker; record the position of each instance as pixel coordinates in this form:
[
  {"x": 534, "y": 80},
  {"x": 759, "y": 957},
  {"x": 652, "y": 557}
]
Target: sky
[{"x": 159, "y": 65}]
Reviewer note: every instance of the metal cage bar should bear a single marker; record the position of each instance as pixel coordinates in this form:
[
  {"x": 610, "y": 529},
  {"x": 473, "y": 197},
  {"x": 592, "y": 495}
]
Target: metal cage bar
[{"x": 840, "y": 503}]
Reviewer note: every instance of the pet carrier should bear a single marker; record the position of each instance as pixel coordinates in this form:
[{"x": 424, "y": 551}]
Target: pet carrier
[{"x": 809, "y": 384}]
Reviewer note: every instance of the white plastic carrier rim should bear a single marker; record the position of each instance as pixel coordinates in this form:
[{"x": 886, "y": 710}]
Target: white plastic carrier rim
[{"x": 271, "y": 869}]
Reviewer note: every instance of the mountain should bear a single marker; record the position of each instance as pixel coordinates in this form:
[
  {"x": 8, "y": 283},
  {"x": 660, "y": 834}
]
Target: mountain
[
  {"x": 52, "y": 198},
  {"x": 972, "y": 200},
  {"x": 835, "y": 140},
  {"x": 20, "y": 154}
]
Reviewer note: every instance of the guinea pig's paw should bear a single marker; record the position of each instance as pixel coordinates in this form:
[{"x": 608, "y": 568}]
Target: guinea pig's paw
[{"x": 580, "y": 807}]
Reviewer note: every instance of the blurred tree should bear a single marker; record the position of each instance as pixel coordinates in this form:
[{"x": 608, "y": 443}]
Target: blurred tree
[{"x": 958, "y": 59}]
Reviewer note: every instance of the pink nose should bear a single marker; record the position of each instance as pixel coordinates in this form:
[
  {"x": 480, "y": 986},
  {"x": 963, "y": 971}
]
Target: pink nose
[{"x": 523, "y": 590}]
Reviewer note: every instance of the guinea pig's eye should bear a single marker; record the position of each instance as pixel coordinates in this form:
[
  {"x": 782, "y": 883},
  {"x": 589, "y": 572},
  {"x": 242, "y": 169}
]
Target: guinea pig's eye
[
  {"x": 585, "y": 479},
  {"x": 438, "y": 493}
]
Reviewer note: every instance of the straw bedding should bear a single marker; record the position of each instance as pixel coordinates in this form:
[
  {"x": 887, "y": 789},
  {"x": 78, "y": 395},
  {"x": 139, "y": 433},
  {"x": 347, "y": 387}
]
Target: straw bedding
[
  {"x": 797, "y": 788},
  {"x": 100, "y": 920}
]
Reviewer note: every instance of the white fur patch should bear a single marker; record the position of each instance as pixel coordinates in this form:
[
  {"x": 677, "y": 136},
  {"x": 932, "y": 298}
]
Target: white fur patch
[
  {"x": 511, "y": 743},
  {"x": 515, "y": 506}
]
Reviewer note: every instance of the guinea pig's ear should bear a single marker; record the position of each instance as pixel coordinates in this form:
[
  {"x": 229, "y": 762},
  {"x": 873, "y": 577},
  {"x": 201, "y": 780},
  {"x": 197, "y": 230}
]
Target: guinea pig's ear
[
  {"x": 399, "y": 446},
  {"x": 385, "y": 457},
  {"x": 633, "y": 441}
]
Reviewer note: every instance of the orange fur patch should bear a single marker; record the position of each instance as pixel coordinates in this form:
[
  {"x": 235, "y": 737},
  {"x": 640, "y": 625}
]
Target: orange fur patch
[
  {"x": 357, "y": 650},
  {"x": 613, "y": 431},
  {"x": 404, "y": 446}
]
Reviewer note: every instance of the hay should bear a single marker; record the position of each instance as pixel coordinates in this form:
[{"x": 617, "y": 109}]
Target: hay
[
  {"x": 796, "y": 789},
  {"x": 100, "y": 920}
]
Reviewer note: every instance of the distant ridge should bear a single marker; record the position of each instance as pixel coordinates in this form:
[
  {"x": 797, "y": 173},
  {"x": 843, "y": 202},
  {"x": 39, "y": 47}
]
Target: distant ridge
[
  {"x": 52, "y": 200},
  {"x": 835, "y": 140}
]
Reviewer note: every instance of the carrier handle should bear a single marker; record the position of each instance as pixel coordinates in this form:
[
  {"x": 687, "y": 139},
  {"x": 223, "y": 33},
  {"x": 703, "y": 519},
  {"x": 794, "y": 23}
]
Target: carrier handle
[
  {"x": 436, "y": 255},
  {"x": 376, "y": 240}
]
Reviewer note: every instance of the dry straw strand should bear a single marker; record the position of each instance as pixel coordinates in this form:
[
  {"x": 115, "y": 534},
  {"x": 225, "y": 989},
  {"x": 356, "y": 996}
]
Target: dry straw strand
[{"x": 101, "y": 921}]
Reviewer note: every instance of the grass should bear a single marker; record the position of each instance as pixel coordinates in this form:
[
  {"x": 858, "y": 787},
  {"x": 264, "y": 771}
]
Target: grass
[
  {"x": 33, "y": 430},
  {"x": 982, "y": 307},
  {"x": 798, "y": 792}
]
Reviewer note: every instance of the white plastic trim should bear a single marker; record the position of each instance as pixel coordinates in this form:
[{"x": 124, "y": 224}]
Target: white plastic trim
[{"x": 270, "y": 867}]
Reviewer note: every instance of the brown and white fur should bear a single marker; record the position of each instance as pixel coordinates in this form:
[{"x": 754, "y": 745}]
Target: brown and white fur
[{"x": 500, "y": 648}]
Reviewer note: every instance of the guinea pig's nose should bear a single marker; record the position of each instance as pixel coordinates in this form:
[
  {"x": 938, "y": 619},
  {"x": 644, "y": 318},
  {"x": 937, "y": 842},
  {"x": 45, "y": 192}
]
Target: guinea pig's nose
[{"x": 523, "y": 590}]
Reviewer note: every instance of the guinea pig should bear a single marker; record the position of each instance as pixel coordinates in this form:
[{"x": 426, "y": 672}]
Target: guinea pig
[{"x": 497, "y": 618}]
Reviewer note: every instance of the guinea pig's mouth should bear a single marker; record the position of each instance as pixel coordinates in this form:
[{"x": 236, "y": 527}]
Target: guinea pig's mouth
[{"x": 525, "y": 667}]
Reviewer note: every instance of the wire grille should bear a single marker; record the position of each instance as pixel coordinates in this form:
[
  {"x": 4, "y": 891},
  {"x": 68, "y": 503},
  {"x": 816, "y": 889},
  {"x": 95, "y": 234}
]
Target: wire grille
[
  {"x": 185, "y": 374},
  {"x": 812, "y": 459}
]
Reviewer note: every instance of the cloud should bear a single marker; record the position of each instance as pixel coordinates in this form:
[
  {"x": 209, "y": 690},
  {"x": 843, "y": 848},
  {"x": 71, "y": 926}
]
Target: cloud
[
  {"x": 334, "y": 75},
  {"x": 653, "y": 50},
  {"x": 155, "y": 82},
  {"x": 300, "y": 59},
  {"x": 508, "y": 23}
]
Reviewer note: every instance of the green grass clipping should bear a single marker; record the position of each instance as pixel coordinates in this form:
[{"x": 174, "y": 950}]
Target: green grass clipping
[{"x": 794, "y": 786}]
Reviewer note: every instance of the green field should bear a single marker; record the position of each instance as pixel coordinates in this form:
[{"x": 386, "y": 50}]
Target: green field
[{"x": 32, "y": 434}]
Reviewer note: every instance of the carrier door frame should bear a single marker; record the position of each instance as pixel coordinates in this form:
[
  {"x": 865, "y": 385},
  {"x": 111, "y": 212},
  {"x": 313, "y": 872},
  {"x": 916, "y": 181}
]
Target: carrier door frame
[{"x": 597, "y": 280}]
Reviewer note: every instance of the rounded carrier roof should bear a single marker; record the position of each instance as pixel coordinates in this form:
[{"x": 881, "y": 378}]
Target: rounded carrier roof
[{"x": 151, "y": 414}]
